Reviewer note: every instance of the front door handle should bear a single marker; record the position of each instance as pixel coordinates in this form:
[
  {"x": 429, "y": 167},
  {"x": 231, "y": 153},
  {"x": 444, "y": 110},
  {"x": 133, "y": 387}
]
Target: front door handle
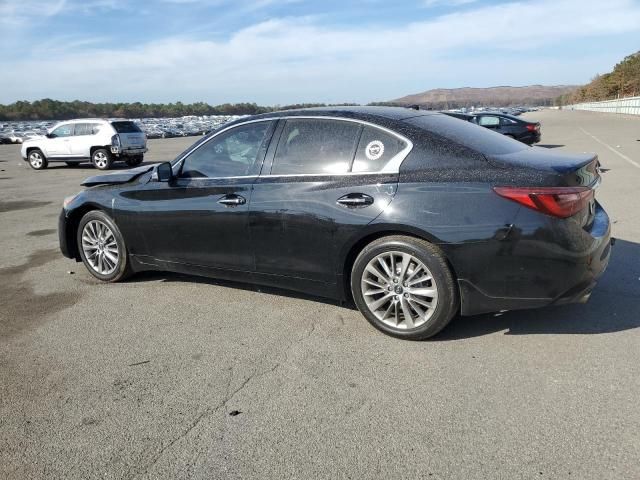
[
  {"x": 232, "y": 200},
  {"x": 357, "y": 200}
]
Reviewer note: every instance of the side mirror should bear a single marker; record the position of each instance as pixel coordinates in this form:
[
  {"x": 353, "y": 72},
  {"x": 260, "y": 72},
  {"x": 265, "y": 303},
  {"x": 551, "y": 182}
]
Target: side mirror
[{"x": 164, "y": 172}]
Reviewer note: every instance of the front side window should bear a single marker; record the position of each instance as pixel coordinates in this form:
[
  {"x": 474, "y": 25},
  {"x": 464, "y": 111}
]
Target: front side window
[
  {"x": 234, "y": 153},
  {"x": 63, "y": 131},
  {"x": 316, "y": 146},
  {"x": 375, "y": 149},
  {"x": 489, "y": 121}
]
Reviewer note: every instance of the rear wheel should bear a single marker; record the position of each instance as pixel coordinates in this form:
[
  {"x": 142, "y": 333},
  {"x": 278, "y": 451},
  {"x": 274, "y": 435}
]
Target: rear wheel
[
  {"x": 403, "y": 286},
  {"x": 37, "y": 160},
  {"x": 102, "y": 247},
  {"x": 101, "y": 159}
]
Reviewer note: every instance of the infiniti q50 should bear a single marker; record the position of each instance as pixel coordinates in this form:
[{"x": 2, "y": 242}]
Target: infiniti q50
[{"x": 414, "y": 216}]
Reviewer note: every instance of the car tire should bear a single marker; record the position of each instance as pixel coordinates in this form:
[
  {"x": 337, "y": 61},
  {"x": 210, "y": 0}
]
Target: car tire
[
  {"x": 102, "y": 247},
  {"x": 102, "y": 159},
  {"x": 37, "y": 160},
  {"x": 424, "y": 289},
  {"x": 135, "y": 160}
]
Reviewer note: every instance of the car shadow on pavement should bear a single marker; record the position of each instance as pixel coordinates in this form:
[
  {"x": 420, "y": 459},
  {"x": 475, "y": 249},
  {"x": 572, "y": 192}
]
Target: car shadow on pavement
[
  {"x": 169, "y": 277},
  {"x": 88, "y": 166},
  {"x": 614, "y": 307},
  {"x": 547, "y": 145}
]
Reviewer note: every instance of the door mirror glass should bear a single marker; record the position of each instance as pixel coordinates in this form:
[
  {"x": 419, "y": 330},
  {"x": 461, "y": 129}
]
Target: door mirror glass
[{"x": 164, "y": 172}]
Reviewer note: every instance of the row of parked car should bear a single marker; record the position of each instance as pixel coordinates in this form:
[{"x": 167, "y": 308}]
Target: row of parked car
[
  {"x": 18, "y": 132},
  {"x": 504, "y": 123}
]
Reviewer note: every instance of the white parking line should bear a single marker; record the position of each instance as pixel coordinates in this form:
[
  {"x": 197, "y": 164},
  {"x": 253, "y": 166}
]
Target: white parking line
[{"x": 621, "y": 155}]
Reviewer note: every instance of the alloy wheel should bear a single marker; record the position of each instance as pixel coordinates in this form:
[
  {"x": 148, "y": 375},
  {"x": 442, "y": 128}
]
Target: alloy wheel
[
  {"x": 100, "y": 247},
  {"x": 399, "y": 290},
  {"x": 35, "y": 159},
  {"x": 100, "y": 159}
]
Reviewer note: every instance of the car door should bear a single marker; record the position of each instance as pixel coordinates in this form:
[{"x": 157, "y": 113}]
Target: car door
[
  {"x": 201, "y": 217},
  {"x": 82, "y": 140},
  {"x": 58, "y": 144},
  {"x": 327, "y": 180},
  {"x": 510, "y": 127}
]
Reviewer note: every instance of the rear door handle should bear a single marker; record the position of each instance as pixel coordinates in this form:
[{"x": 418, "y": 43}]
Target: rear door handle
[
  {"x": 357, "y": 200},
  {"x": 232, "y": 200}
]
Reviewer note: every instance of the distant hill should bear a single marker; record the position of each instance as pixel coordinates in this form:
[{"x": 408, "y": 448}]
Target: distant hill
[
  {"x": 495, "y": 96},
  {"x": 623, "y": 81}
]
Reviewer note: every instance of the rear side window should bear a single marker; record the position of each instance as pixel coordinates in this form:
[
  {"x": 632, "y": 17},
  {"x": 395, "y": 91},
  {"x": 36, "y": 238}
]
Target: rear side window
[
  {"x": 86, "y": 129},
  {"x": 316, "y": 146},
  {"x": 126, "y": 127},
  {"x": 375, "y": 149},
  {"x": 478, "y": 139}
]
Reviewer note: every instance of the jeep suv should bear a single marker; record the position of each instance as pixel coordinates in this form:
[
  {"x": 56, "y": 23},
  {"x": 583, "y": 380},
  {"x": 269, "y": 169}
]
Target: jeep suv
[{"x": 101, "y": 142}]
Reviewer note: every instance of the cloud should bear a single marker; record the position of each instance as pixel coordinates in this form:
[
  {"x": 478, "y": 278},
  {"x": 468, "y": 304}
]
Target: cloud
[{"x": 295, "y": 59}]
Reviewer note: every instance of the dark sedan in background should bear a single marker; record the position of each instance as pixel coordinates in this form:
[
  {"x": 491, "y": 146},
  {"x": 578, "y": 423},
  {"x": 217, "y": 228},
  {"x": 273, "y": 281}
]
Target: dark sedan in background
[
  {"x": 509, "y": 125},
  {"x": 413, "y": 215}
]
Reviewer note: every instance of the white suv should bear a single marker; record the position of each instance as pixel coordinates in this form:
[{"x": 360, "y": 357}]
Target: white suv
[{"x": 99, "y": 141}]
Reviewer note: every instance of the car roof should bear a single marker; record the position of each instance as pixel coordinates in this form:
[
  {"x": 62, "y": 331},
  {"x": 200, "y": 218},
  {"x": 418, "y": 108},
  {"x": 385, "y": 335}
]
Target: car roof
[
  {"x": 83, "y": 120},
  {"x": 356, "y": 112}
]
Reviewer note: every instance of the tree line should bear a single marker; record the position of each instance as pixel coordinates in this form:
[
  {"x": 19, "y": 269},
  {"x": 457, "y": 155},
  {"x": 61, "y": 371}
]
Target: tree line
[
  {"x": 48, "y": 109},
  {"x": 623, "y": 81}
]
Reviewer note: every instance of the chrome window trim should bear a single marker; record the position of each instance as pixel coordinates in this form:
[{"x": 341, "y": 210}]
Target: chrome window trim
[{"x": 392, "y": 166}]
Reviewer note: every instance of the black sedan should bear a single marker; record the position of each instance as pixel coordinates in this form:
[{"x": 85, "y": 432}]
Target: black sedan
[
  {"x": 413, "y": 215},
  {"x": 514, "y": 127}
]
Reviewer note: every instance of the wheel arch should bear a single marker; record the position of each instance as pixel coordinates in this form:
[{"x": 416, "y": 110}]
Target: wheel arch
[
  {"x": 73, "y": 222},
  {"x": 99, "y": 147},
  {"x": 350, "y": 253},
  {"x": 32, "y": 148}
]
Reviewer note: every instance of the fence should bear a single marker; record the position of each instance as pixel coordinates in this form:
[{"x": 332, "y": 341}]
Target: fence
[{"x": 629, "y": 105}]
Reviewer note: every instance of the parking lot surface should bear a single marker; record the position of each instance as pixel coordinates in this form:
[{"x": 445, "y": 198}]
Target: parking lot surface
[{"x": 168, "y": 376}]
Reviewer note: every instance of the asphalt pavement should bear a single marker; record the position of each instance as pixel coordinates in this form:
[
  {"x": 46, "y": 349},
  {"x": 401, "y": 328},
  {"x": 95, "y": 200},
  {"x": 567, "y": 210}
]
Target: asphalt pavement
[{"x": 168, "y": 376}]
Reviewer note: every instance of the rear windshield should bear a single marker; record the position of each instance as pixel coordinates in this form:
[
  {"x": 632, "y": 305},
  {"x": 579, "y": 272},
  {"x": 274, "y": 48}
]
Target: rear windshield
[
  {"x": 126, "y": 127},
  {"x": 468, "y": 134}
]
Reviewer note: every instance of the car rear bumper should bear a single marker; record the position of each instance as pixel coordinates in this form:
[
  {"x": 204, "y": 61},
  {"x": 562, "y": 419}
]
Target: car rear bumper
[
  {"x": 125, "y": 152},
  {"x": 538, "y": 273}
]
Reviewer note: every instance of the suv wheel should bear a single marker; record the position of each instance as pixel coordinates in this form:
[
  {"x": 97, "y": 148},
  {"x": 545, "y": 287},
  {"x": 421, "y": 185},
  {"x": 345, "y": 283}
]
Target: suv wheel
[
  {"x": 101, "y": 159},
  {"x": 102, "y": 247},
  {"x": 37, "y": 160},
  {"x": 403, "y": 286},
  {"x": 135, "y": 160}
]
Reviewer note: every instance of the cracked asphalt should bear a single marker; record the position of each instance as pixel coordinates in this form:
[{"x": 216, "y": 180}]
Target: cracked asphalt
[{"x": 169, "y": 376}]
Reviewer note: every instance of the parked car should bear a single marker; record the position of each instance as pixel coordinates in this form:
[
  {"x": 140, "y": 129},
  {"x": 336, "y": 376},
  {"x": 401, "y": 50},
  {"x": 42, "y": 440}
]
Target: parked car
[
  {"x": 16, "y": 137},
  {"x": 522, "y": 130},
  {"x": 101, "y": 142},
  {"x": 412, "y": 214}
]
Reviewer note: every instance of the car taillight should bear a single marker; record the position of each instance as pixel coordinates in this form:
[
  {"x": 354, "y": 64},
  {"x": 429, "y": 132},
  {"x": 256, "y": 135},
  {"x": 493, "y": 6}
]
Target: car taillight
[
  {"x": 562, "y": 202},
  {"x": 115, "y": 141},
  {"x": 532, "y": 128}
]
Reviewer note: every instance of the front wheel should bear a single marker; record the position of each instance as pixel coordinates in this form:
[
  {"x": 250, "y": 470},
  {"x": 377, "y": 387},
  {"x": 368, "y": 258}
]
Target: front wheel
[
  {"x": 101, "y": 159},
  {"x": 403, "y": 286},
  {"x": 37, "y": 160},
  {"x": 102, "y": 247}
]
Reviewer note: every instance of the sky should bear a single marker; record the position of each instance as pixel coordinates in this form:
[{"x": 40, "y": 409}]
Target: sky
[{"x": 288, "y": 51}]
